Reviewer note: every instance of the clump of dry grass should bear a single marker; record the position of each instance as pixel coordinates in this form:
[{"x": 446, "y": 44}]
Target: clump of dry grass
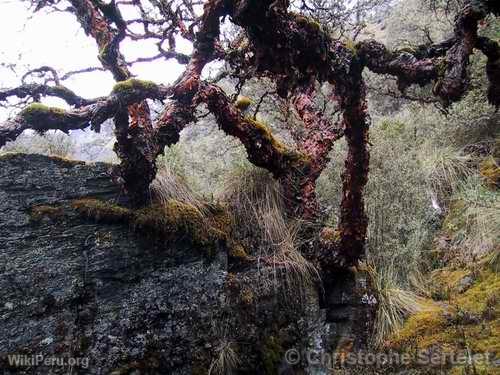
[
  {"x": 445, "y": 168},
  {"x": 394, "y": 303},
  {"x": 473, "y": 219},
  {"x": 168, "y": 185},
  {"x": 259, "y": 221},
  {"x": 226, "y": 360}
]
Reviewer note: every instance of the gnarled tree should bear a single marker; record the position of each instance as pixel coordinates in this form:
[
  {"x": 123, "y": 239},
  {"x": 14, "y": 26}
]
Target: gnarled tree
[{"x": 278, "y": 40}]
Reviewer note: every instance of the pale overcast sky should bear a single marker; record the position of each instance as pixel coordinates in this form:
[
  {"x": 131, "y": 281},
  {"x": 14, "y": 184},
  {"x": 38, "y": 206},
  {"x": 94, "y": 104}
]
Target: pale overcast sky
[{"x": 57, "y": 40}]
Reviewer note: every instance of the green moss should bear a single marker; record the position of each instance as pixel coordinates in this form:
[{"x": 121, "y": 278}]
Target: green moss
[
  {"x": 392, "y": 128},
  {"x": 293, "y": 157},
  {"x": 243, "y": 102},
  {"x": 65, "y": 162},
  {"x": 272, "y": 355},
  {"x": 102, "y": 211},
  {"x": 172, "y": 220},
  {"x": 175, "y": 220},
  {"x": 10, "y": 155},
  {"x": 309, "y": 22},
  {"x": 351, "y": 45},
  {"x": 490, "y": 170},
  {"x": 37, "y": 111},
  {"x": 450, "y": 328},
  {"x": 133, "y": 84},
  {"x": 476, "y": 299},
  {"x": 446, "y": 281},
  {"x": 37, "y": 213}
]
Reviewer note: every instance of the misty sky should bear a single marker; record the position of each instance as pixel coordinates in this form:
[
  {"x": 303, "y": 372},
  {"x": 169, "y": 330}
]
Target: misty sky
[{"x": 57, "y": 40}]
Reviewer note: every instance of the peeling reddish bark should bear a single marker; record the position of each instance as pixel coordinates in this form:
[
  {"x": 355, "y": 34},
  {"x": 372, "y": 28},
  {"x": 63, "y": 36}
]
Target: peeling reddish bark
[
  {"x": 353, "y": 224},
  {"x": 316, "y": 143},
  {"x": 262, "y": 148},
  {"x": 180, "y": 110}
]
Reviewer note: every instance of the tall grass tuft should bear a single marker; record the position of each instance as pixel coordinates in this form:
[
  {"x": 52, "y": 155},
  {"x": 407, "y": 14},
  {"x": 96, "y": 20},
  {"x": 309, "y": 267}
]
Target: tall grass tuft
[
  {"x": 226, "y": 361},
  {"x": 170, "y": 185},
  {"x": 394, "y": 303},
  {"x": 474, "y": 219},
  {"x": 445, "y": 168},
  {"x": 260, "y": 223}
]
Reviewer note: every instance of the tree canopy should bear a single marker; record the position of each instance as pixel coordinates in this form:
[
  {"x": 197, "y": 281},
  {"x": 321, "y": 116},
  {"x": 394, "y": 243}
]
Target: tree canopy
[{"x": 294, "y": 47}]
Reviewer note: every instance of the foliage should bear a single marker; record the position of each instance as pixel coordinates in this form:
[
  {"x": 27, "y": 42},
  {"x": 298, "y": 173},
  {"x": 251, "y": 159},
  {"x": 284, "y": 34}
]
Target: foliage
[{"x": 52, "y": 143}]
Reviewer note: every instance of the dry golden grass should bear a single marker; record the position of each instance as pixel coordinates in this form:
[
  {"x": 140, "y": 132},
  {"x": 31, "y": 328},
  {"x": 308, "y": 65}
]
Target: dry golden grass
[
  {"x": 169, "y": 186},
  {"x": 227, "y": 360},
  {"x": 395, "y": 304},
  {"x": 259, "y": 221}
]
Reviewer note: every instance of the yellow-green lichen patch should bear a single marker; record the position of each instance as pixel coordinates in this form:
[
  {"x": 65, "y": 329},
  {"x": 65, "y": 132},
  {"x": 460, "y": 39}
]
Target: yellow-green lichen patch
[
  {"x": 37, "y": 112},
  {"x": 351, "y": 45},
  {"x": 408, "y": 49},
  {"x": 101, "y": 211},
  {"x": 37, "y": 213}
]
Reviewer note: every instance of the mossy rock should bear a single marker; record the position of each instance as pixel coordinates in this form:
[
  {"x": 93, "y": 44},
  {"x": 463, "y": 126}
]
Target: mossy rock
[
  {"x": 470, "y": 319},
  {"x": 172, "y": 220},
  {"x": 101, "y": 211},
  {"x": 37, "y": 213}
]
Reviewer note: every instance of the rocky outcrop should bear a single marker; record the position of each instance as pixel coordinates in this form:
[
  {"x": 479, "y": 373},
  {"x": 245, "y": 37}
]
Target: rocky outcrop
[{"x": 95, "y": 298}]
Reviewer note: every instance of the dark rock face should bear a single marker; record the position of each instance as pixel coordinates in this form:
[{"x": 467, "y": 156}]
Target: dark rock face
[{"x": 87, "y": 298}]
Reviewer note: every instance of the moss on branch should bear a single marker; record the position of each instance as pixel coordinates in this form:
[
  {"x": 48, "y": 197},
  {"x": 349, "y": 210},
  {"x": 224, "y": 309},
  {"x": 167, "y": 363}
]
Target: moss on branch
[
  {"x": 133, "y": 85},
  {"x": 243, "y": 102},
  {"x": 37, "y": 112}
]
